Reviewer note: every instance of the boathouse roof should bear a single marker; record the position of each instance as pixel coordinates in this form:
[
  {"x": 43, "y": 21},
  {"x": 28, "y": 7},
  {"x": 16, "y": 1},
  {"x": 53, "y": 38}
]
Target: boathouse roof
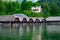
[
  {"x": 21, "y": 16},
  {"x": 6, "y": 18},
  {"x": 53, "y": 19},
  {"x": 12, "y": 17}
]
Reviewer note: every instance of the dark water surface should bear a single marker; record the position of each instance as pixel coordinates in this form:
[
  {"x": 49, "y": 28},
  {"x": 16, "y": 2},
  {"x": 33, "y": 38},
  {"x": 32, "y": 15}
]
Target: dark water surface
[{"x": 29, "y": 31}]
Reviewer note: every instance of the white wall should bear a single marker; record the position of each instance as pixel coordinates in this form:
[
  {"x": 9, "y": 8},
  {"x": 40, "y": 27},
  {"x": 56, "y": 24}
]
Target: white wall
[{"x": 37, "y": 9}]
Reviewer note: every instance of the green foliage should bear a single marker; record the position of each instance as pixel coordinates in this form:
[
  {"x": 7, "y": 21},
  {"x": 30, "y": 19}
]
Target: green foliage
[
  {"x": 36, "y": 4},
  {"x": 54, "y": 9},
  {"x": 10, "y": 8},
  {"x": 32, "y": 14},
  {"x": 36, "y": 14},
  {"x": 46, "y": 7},
  {"x": 29, "y": 5},
  {"x": 45, "y": 13},
  {"x": 23, "y": 5},
  {"x": 26, "y": 5},
  {"x": 26, "y": 12}
]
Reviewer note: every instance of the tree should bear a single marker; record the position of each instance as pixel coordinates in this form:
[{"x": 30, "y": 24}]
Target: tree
[
  {"x": 45, "y": 14},
  {"x": 53, "y": 9},
  {"x": 26, "y": 5},
  {"x": 13, "y": 7},
  {"x": 0, "y": 6},
  {"x": 45, "y": 10},
  {"x": 29, "y": 5},
  {"x": 17, "y": 7},
  {"x": 58, "y": 11},
  {"x": 36, "y": 4},
  {"x": 3, "y": 8},
  {"x": 45, "y": 6},
  {"x": 23, "y": 5}
]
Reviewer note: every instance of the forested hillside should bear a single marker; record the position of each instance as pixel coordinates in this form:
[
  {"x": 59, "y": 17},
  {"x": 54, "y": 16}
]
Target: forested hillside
[
  {"x": 49, "y": 8},
  {"x": 50, "y": 1}
]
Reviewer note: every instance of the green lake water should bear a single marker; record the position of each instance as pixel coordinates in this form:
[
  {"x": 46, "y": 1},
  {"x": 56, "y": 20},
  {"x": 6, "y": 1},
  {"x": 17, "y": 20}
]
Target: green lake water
[{"x": 29, "y": 31}]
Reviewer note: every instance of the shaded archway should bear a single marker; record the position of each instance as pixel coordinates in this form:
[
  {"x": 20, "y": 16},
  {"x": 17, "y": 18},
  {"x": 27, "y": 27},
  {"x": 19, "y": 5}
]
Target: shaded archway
[
  {"x": 24, "y": 20},
  {"x": 37, "y": 21},
  {"x": 16, "y": 19},
  {"x": 30, "y": 20},
  {"x": 44, "y": 21}
]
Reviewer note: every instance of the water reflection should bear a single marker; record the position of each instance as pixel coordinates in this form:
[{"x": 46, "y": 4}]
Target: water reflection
[
  {"x": 44, "y": 31},
  {"x": 29, "y": 31},
  {"x": 53, "y": 32},
  {"x": 9, "y": 33},
  {"x": 25, "y": 31},
  {"x": 36, "y": 32}
]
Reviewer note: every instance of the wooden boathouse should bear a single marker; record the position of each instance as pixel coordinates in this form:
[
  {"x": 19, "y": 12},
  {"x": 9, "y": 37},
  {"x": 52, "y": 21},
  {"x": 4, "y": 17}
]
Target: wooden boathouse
[{"x": 18, "y": 18}]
